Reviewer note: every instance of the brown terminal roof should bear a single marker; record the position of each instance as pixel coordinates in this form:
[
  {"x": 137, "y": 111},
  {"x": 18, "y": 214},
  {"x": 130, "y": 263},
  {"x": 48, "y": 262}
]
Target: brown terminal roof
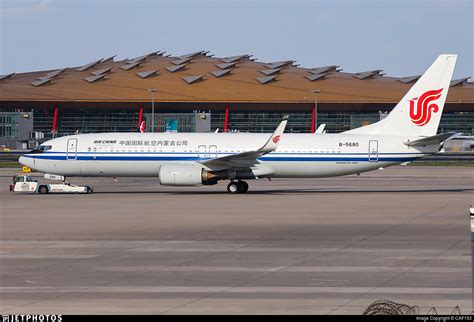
[{"x": 245, "y": 84}]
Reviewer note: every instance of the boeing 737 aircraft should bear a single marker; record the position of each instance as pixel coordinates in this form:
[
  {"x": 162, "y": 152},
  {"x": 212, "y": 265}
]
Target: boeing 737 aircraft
[{"x": 191, "y": 159}]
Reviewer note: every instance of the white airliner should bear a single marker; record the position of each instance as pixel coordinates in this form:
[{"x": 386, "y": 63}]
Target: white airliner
[{"x": 191, "y": 159}]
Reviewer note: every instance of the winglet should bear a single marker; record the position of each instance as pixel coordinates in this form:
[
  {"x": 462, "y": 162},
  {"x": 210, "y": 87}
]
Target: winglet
[{"x": 273, "y": 141}]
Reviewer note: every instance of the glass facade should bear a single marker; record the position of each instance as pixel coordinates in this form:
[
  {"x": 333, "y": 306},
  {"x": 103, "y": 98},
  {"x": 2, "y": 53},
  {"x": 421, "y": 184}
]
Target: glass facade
[
  {"x": 261, "y": 122},
  {"x": 93, "y": 121},
  {"x": 90, "y": 121},
  {"x": 457, "y": 122},
  {"x": 298, "y": 122},
  {"x": 86, "y": 121},
  {"x": 336, "y": 122},
  {"x": 186, "y": 121},
  {"x": 9, "y": 124}
]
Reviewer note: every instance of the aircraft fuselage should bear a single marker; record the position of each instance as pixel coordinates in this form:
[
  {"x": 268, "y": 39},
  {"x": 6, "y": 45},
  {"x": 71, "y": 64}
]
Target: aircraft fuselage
[{"x": 297, "y": 155}]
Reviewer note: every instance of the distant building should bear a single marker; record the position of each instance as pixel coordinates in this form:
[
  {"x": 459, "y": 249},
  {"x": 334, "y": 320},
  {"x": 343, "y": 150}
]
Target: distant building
[
  {"x": 107, "y": 95},
  {"x": 16, "y": 129}
]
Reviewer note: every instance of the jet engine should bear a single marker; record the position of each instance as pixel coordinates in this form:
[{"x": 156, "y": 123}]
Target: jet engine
[
  {"x": 195, "y": 174},
  {"x": 187, "y": 175}
]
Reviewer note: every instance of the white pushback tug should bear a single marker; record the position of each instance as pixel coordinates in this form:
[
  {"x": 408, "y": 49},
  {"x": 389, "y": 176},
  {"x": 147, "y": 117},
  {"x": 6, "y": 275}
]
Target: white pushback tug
[{"x": 25, "y": 183}]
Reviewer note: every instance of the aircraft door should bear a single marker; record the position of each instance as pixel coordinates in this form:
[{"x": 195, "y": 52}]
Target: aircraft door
[
  {"x": 201, "y": 151},
  {"x": 71, "y": 149},
  {"x": 373, "y": 151},
  {"x": 212, "y": 151}
]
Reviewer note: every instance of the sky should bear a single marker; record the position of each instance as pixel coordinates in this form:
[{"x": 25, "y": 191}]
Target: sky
[{"x": 402, "y": 37}]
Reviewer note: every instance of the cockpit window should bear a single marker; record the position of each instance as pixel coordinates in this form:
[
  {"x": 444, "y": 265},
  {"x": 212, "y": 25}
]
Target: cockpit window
[{"x": 41, "y": 149}]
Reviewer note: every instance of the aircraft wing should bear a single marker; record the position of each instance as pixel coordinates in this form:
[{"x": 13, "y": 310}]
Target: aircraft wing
[
  {"x": 432, "y": 140},
  {"x": 249, "y": 158}
]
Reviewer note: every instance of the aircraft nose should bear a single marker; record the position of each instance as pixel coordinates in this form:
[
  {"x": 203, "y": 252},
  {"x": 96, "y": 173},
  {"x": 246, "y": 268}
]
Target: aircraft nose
[{"x": 29, "y": 162}]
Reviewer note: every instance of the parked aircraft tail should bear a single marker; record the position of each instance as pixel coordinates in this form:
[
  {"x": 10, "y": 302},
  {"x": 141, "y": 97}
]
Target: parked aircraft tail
[
  {"x": 142, "y": 127},
  {"x": 419, "y": 111}
]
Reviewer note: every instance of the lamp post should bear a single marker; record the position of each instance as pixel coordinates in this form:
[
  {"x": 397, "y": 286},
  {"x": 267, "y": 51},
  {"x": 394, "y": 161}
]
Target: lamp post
[
  {"x": 315, "y": 111},
  {"x": 152, "y": 91}
]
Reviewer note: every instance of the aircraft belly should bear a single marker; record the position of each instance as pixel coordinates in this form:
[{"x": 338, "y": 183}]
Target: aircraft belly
[
  {"x": 120, "y": 168},
  {"x": 322, "y": 169},
  {"x": 98, "y": 168},
  {"x": 60, "y": 167},
  {"x": 150, "y": 168}
]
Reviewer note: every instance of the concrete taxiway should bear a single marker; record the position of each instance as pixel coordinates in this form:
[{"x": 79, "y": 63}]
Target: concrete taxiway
[{"x": 310, "y": 246}]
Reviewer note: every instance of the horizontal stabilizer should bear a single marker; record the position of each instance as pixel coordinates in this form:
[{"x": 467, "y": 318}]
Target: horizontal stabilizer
[{"x": 432, "y": 140}]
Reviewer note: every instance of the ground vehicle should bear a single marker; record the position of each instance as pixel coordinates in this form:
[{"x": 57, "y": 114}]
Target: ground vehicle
[{"x": 25, "y": 183}]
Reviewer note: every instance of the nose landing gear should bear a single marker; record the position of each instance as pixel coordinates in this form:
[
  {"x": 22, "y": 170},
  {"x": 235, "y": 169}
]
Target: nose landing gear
[{"x": 237, "y": 187}]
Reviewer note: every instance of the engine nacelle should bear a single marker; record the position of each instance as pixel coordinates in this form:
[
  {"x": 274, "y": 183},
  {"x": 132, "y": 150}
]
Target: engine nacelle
[
  {"x": 194, "y": 174},
  {"x": 186, "y": 175}
]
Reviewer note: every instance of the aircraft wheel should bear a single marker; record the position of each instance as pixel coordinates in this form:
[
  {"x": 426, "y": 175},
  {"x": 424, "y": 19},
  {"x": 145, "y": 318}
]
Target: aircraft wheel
[
  {"x": 233, "y": 187},
  {"x": 238, "y": 187}
]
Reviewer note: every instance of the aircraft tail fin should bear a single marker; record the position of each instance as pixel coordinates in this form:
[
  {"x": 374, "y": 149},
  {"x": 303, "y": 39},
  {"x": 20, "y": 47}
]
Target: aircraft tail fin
[
  {"x": 142, "y": 127},
  {"x": 419, "y": 111},
  {"x": 320, "y": 129}
]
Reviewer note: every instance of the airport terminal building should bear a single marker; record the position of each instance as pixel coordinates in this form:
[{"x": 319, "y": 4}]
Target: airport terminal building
[{"x": 200, "y": 92}]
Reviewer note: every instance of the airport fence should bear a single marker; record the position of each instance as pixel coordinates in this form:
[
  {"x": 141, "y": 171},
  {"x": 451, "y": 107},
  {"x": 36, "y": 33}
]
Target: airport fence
[{"x": 387, "y": 307}]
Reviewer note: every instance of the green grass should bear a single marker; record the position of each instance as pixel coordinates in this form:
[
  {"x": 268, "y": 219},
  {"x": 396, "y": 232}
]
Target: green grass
[
  {"x": 10, "y": 164},
  {"x": 9, "y": 161}
]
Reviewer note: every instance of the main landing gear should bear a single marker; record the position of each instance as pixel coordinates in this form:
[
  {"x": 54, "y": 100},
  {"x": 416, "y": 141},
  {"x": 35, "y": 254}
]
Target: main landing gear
[{"x": 237, "y": 187}]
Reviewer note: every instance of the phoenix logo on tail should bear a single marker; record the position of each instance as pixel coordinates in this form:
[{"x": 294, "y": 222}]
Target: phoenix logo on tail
[{"x": 421, "y": 115}]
